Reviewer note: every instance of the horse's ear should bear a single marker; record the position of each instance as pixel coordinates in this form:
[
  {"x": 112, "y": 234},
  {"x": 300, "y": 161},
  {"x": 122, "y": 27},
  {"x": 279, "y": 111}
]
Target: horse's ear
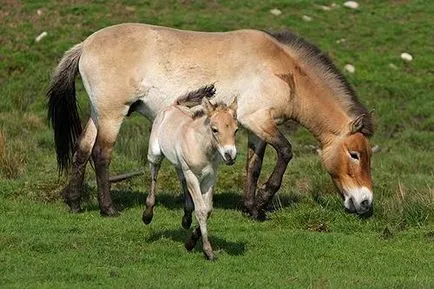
[
  {"x": 207, "y": 105},
  {"x": 356, "y": 125},
  {"x": 234, "y": 106}
]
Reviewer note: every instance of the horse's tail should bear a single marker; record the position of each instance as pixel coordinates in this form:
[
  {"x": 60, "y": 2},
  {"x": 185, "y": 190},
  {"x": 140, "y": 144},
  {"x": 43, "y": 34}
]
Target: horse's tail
[
  {"x": 62, "y": 107},
  {"x": 195, "y": 97}
]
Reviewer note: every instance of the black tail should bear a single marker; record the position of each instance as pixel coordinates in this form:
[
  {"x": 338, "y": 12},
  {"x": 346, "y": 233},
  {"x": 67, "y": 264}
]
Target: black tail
[
  {"x": 194, "y": 98},
  {"x": 62, "y": 107}
]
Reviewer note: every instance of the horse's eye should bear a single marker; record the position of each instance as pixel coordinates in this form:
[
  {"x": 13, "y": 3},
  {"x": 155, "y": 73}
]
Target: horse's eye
[
  {"x": 355, "y": 155},
  {"x": 214, "y": 130},
  {"x": 236, "y": 130}
]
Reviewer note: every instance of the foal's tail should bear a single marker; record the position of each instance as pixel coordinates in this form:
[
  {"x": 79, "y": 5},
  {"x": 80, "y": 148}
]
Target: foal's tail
[
  {"x": 195, "y": 97},
  {"x": 62, "y": 107}
]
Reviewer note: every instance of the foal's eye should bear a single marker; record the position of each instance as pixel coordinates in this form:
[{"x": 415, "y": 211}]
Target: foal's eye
[
  {"x": 214, "y": 130},
  {"x": 236, "y": 130},
  {"x": 355, "y": 155}
]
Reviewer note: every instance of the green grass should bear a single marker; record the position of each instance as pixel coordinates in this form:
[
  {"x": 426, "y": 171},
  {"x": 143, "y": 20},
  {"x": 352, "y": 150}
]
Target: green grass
[{"x": 308, "y": 243}]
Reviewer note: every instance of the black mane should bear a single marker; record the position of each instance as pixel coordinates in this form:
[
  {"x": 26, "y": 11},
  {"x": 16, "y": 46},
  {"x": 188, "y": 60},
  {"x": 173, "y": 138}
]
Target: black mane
[{"x": 315, "y": 56}]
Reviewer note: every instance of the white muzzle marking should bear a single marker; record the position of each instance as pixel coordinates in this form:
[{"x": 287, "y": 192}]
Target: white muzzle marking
[
  {"x": 358, "y": 200},
  {"x": 228, "y": 153}
]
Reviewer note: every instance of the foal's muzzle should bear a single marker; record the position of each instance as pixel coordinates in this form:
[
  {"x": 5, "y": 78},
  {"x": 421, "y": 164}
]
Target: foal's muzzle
[{"x": 228, "y": 154}]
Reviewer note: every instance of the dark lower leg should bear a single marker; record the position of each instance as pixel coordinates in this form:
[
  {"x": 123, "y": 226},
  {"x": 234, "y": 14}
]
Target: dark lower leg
[
  {"x": 266, "y": 193},
  {"x": 150, "y": 200},
  {"x": 72, "y": 192},
  {"x": 101, "y": 157},
  {"x": 188, "y": 202},
  {"x": 191, "y": 242},
  {"x": 256, "y": 150}
]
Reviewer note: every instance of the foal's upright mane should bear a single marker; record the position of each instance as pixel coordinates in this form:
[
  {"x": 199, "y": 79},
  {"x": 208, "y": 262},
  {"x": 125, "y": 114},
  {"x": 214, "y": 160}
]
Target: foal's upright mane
[{"x": 327, "y": 71}]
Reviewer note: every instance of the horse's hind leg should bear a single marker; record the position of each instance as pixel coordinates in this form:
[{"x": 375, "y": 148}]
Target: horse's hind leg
[
  {"x": 150, "y": 200},
  {"x": 255, "y": 155},
  {"x": 72, "y": 192},
  {"x": 262, "y": 124},
  {"x": 188, "y": 202},
  {"x": 108, "y": 130}
]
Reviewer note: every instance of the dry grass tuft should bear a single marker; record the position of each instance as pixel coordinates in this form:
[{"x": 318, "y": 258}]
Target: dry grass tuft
[{"x": 11, "y": 164}]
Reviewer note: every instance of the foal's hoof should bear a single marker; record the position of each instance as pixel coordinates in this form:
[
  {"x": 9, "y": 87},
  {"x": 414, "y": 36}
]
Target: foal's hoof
[
  {"x": 190, "y": 244},
  {"x": 186, "y": 222},
  {"x": 148, "y": 214},
  {"x": 109, "y": 212},
  {"x": 210, "y": 256}
]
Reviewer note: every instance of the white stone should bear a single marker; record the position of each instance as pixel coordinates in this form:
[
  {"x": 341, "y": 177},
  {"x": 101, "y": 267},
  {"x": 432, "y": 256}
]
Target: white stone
[
  {"x": 342, "y": 40},
  {"x": 406, "y": 56},
  {"x": 393, "y": 66},
  {"x": 41, "y": 36},
  {"x": 351, "y": 4},
  {"x": 39, "y": 11},
  {"x": 275, "y": 12},
  {"x": 307, "y": 18},
  {"x": 325, "y": 8},
  {"x": 350, "y": 68}
]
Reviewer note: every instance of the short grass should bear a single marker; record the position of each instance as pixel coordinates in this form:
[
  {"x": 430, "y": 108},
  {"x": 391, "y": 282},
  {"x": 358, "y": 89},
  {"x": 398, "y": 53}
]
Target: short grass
[{"x": 309, "y": 240}]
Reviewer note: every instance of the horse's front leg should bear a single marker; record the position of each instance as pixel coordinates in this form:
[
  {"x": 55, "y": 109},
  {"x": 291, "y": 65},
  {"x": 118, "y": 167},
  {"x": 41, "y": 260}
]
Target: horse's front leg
[
  {"x": 255, "y": 155},
  {"x": 261, "y": 123},
  {"x": 72, "y": 192},
  {"x": 188, "y": 202},
  {"x": 265, "y": 194},
  {"x": 202, "y": 211}
]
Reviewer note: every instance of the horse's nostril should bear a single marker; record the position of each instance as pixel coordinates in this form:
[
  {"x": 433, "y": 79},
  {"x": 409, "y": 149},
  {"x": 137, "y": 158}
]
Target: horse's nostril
[
  {"x": 228, "y": 156},
  {"x": 364, "y": 204}
]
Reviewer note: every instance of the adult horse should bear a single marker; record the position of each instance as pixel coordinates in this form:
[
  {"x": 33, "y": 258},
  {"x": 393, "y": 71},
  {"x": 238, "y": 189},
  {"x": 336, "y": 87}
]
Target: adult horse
[{"x": 276, "y": 76}]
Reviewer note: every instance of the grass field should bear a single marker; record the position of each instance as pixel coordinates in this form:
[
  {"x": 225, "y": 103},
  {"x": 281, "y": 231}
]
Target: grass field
[{"x": 308, "y": 242}]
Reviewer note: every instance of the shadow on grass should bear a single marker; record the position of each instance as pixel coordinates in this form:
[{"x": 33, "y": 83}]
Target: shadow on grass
[
  {"x": 181, "y": 235},
  {"x": 225, "y": 200}
]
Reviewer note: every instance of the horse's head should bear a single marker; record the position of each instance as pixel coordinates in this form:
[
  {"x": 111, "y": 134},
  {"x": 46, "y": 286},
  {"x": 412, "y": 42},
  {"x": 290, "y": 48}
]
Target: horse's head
[
  {"x": 348, "y": 161},
  {"x": 224, "y": 126}
]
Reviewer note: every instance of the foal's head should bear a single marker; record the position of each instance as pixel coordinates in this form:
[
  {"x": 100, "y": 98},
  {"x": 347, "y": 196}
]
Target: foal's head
[
  {"x": 348, "y": 161},
  {"x": 222, "y": 121}
]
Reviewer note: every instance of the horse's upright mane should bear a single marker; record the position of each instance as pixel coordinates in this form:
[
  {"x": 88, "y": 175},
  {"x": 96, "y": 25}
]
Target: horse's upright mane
[{"x": 327, "y": 71}]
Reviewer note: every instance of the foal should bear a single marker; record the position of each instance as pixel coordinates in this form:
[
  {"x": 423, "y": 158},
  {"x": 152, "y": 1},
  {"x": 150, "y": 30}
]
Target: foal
[{"x": 195, "y": 143}]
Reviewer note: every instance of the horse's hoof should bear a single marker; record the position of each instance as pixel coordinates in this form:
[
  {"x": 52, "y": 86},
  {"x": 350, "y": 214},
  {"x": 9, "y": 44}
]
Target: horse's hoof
[
  {"x": 109, "y": 212},
  {"x": 76, "y": 209},
  {"x": 190, "y": 244},
  {"x": 255, "y": 214},
  {"x": 186, "y": 222},
  {"x": 261, "y": 216},
  {"x": 147, "y": 216},
  {"x": 210, "y": 256}
]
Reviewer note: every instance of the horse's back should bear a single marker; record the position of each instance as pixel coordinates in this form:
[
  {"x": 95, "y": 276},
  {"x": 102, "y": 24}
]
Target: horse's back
[{"x": 155, "y": 64}]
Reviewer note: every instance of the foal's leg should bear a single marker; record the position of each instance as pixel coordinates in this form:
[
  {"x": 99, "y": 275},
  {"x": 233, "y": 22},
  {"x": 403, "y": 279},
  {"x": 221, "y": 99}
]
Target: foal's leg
[
  {"x": 72, "y": 192},
  {"x": 108, "y": 130},
  {"x": 202, "y": 212},
  {"x": 148, "y": 213},
  {"x": 262, "y": 124},
  {"x": 188, "y": 202},
  {"x": 255, "y": 155}
]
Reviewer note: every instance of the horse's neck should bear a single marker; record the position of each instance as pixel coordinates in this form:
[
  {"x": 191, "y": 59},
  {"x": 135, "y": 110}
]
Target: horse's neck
[{"x": 317, "y": 109}]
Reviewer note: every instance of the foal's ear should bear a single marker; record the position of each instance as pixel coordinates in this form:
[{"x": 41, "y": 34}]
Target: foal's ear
[
  {"x": 233, "y": 106},
  {"x": 356, "y": 125},
  {"x": 207, "y": 105}
]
